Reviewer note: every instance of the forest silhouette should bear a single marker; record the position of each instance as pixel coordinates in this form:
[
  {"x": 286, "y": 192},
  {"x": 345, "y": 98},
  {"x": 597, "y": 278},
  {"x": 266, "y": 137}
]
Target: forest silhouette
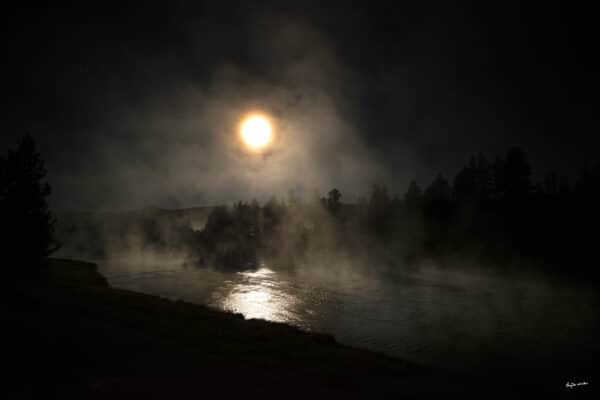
[{"x": 491, "y": 211}]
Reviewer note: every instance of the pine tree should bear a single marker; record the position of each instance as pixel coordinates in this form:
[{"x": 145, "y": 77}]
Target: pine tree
[{"x": 27, "y": 225}]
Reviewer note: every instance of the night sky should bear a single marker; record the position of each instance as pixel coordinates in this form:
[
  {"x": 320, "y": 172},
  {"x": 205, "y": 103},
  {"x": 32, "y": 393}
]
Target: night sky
[{"x": 132, "y": 105}]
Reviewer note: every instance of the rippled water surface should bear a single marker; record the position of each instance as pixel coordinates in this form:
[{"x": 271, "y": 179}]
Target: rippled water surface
[{"x": 430, "y": 315}]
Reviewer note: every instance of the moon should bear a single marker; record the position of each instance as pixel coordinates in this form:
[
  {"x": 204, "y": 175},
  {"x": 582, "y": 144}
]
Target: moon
[{"x": 256, "y": 131}]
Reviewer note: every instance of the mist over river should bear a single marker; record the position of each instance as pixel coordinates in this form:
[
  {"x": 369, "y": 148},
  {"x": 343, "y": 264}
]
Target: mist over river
[{"x": 446, "y": 317}]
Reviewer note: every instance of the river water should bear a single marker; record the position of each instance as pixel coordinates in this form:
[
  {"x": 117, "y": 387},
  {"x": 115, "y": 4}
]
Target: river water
[{"x": 446, "y": 317}]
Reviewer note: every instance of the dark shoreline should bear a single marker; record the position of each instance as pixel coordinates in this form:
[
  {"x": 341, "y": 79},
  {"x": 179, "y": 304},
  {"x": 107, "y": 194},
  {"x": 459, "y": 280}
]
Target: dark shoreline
[{"x": 74, "y": 336}]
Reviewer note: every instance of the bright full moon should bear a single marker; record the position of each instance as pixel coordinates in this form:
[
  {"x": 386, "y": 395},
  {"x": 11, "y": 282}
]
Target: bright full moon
[{"x": 256, "y": 132}]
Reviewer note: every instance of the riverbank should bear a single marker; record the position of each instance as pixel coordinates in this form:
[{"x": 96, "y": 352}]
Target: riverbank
[{"x": 74, "y": 336}]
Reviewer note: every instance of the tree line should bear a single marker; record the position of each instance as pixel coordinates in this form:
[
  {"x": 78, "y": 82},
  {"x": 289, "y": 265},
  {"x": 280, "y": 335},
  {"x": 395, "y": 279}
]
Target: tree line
[{"x": 490, "y": 210}]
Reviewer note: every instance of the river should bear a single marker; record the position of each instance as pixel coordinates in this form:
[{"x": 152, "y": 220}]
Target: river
[{"x": 448, "y": 317}]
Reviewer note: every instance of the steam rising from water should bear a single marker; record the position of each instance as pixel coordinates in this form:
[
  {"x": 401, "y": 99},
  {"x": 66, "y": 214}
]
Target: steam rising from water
[
  {"x": 447, "y": 317},
  {"x": 178, "y": 146}
]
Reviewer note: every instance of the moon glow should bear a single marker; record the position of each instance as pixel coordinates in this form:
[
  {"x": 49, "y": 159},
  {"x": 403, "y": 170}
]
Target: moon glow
[{"x": 256, "y": 132}]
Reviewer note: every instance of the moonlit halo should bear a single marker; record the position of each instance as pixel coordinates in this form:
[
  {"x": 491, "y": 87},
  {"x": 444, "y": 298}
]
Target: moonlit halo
[{"x": 256, "y": 131}]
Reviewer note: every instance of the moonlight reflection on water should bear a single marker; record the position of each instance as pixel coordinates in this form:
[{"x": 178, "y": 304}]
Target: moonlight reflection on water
[
  {"x": 259, "y": 295},
  {"x": 442, "y": 317}
]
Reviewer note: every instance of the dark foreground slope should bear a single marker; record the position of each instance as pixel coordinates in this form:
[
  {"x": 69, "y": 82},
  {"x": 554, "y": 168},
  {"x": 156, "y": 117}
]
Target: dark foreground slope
[{"x": 74, "y": 336}]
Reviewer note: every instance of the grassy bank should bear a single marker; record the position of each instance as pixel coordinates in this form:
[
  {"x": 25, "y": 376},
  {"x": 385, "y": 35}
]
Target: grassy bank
[{"x": 73, "y": 335}]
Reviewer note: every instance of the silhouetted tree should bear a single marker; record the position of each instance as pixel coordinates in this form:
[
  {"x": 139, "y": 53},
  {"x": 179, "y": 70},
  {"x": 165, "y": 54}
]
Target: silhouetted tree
[
  {"x": 437, "y": 211},
  {"x": 465, "y": 184},
  {"x": 380, "y": 199},
  {"x": 587, "y": 183},
  {"x": 438, "y": 198},
  {"x": 380, "y": 212},
  {"x": 513, "y": 176},
  {"x": 333, "y": 201},
  {"x": 413, "y": 198},
  {"x": 474, "y": 183},
  {"x": 551, "y": 186},
  {"x": 26, "y": 223}
]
